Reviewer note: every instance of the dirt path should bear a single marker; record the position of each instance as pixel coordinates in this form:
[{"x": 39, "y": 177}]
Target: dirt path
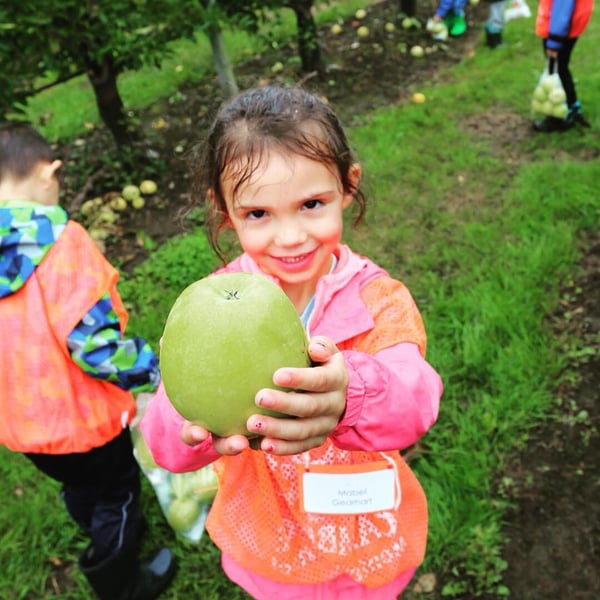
[{"x": 554, "y": 529}]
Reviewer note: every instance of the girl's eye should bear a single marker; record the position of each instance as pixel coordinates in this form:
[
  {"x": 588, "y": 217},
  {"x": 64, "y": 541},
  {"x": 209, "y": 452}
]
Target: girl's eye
[
  {"x": 256, "y": 214},
  {"x": 312, "y": 204}
]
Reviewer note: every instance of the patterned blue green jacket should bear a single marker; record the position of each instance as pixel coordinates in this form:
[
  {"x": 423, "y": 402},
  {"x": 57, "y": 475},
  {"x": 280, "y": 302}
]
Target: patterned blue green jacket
[{"x": 96, "y": 345}]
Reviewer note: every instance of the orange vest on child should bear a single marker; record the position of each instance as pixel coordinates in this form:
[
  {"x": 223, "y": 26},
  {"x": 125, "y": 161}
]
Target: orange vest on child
[
  {"x": 256, "y": 518},
  {"x": 47, "y": 403}
]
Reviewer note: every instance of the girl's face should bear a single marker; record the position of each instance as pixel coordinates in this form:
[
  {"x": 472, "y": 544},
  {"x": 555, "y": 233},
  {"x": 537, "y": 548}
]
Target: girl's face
[{"x": 288, "y": 218}]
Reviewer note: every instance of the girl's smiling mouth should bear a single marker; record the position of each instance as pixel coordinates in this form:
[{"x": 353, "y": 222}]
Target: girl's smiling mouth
[{"x": 298, "y": 262}]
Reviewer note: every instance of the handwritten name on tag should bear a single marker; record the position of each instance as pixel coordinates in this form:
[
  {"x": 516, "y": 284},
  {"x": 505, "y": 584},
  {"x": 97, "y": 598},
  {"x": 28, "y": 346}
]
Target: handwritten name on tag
[{"x": 347, "y": 489}]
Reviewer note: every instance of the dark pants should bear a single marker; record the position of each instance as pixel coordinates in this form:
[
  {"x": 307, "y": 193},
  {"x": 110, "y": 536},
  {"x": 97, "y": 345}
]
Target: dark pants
[
  {"x": 101, "y": 490},
  {"x": 562, "y": 64}
]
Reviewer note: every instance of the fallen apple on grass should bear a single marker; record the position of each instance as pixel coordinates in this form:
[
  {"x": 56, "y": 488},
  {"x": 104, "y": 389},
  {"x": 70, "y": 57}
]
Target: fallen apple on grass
[
  {"x": 417, "y": 51},
  {"x": 148, "y": 187},
  {"x": 118, "y": 203},
  {"x": 138, "y": 202},
  {"x": 223, "y": 340},
  {"x": 130, "y": 191}
]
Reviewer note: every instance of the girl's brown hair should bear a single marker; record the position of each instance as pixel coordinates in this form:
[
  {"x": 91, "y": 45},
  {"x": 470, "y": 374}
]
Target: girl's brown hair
[{"x": 255, "y": 123}]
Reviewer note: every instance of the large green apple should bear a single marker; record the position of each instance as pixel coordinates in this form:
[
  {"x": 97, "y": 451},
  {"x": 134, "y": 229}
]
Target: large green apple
[{"x": 224, "y": 338}]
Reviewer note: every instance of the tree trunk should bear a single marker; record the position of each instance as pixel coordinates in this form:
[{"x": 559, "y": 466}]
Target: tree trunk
[
  {"x": 308, "y": 43},
  {"x": 221, "y": 61},
  {"x": 103, "y": 78}
]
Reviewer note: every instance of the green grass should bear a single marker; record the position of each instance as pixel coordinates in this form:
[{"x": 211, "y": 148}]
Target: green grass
[{"x": 484, "y": 230}]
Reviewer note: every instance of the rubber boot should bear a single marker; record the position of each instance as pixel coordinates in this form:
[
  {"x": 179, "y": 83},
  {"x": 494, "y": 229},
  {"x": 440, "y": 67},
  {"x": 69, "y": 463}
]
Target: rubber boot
[
  {"x": 493, "y": 40},
  {"x": 123, "y": 577},
  {"x": 552, "y": 124},
  {"x": 459, "y": 26},
  {"x": 575, "y": 115}
]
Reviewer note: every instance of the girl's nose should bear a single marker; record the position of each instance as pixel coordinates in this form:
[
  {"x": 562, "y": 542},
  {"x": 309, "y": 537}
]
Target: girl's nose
[{"x": 289, "y": 234}]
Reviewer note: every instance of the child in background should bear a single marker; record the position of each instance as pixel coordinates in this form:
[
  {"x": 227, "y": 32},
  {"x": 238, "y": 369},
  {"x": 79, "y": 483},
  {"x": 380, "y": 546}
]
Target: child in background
[
  {"x": 67, "y": 372},
  {"x": 494, "y": 26},
  {"x": 452, "y": 14},
  {"x": 560, "y": 23},
  {"x": 277, "y": 169}
]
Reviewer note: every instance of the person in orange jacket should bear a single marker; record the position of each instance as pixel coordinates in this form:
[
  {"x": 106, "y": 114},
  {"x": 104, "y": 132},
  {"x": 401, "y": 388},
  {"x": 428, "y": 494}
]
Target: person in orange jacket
[
  {"x": 67, "y": 372},
  {"x": 560, "y": 23}
]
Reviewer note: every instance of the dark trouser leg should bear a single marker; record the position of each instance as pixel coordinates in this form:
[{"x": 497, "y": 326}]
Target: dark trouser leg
[
  {"x": 564, "y": 72},
  {"x": 101, "y": 491}
]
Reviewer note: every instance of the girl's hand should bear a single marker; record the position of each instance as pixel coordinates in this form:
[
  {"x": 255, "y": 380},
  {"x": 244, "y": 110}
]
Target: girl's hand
[
  {"x": 192, "y": 435},
  {"x": 317, "y": 406}
]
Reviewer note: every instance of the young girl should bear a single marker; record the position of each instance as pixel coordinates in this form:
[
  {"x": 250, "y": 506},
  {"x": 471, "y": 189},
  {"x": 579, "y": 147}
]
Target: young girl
[{"x": 323, "y": 506}]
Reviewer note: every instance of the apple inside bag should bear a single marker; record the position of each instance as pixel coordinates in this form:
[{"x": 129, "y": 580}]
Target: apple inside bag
[
  {"x": 184, "y": 498},
  {"x": 549, "y": 98}
]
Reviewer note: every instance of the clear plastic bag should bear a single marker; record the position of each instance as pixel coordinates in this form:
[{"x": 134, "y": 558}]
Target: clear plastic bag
[
  {"x": 184, "y": 498},
  {"x": 549, "y": 98},
  {"x": 516, "y": 9}
]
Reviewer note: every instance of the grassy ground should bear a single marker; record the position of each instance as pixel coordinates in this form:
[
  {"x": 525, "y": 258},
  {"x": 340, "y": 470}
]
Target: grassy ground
[{"x": 483, "y": 221}]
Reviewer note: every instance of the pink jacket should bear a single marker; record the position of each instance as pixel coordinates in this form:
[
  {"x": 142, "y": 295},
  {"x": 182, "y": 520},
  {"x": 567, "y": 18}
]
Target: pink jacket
[
  {"x": 270, "y": 546},
  {"x": 374, "y": 419}
]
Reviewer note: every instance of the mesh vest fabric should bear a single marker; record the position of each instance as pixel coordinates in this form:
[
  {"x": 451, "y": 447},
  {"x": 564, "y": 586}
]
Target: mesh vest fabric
[
  {"x": 256, "y": 518},
  {"x": 47, "y": 403}
]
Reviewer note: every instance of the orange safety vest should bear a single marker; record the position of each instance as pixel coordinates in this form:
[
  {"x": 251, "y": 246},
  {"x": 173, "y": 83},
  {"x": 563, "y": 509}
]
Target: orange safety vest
[
  {"x": 256, "y": 518},
  {"x": 47, "y": 403}
]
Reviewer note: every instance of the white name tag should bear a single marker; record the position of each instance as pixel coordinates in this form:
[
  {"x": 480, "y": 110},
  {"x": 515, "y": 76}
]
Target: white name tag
[{"x": 348, "y": 489}]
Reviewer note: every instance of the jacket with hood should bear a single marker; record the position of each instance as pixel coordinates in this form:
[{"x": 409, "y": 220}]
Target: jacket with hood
[
  {"x": 65, "y": 369},
  {"x": 392, "y": 400}
]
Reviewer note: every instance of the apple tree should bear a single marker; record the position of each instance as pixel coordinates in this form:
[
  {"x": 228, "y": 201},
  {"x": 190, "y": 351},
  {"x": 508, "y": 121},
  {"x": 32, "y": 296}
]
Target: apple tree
[
  {"x": 252, "y": 13},
  {"x": 308, "y": 41},
  {"x": 43, "y": 40}
]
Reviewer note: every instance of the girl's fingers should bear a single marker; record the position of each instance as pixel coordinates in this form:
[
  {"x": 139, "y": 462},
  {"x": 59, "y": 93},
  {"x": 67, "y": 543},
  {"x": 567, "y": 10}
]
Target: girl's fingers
[
  {"x": 193, "y": 434},
  {"x": 321, "y": 349},
  {"x": 284, "y": 447},
  {"x": 322, "y": 378}
]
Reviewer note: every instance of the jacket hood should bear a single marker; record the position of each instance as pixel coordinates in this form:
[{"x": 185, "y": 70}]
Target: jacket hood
[{"x": 27, "y": 233}]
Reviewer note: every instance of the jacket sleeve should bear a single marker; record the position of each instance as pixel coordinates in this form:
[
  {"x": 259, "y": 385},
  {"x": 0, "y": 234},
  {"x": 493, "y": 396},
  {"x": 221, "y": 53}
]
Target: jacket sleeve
[
  {"x": 98, "y": 347},
  {"x": 392, "y": 400},
  {"x": 445, "y": 6},
  {"x": 560, "y": 23},
  {"x": 161, "y": 429}
]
